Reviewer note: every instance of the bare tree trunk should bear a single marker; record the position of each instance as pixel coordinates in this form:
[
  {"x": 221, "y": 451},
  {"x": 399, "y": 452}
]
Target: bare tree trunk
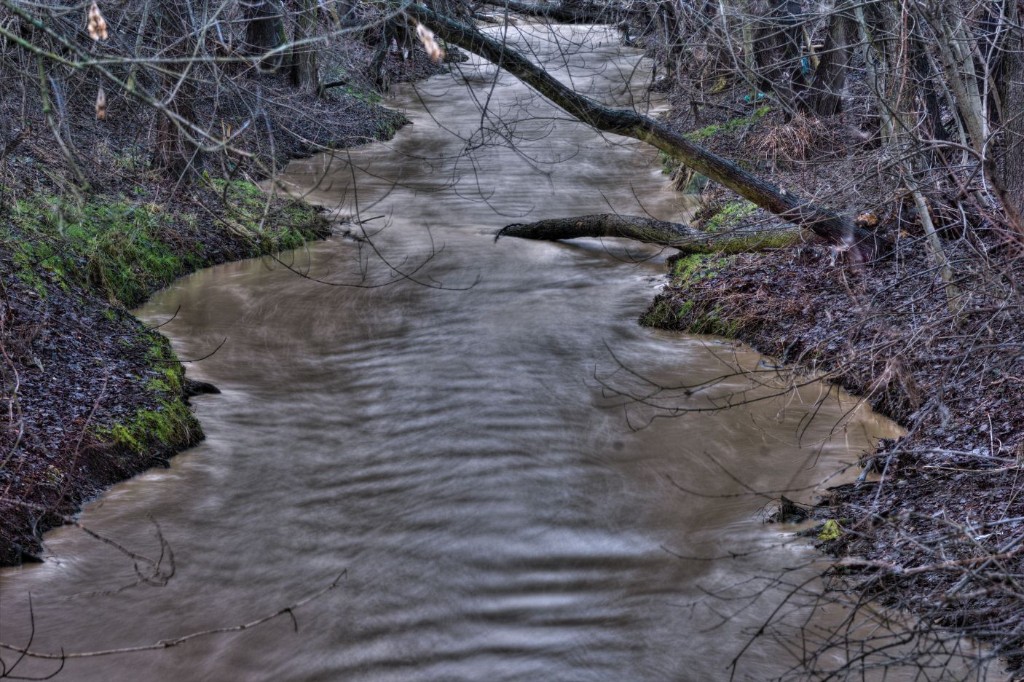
[
  {"x": 825, "y": 95},
  {"x": 925, "y": 78},
  {"x": 778, "y": 52},
  {"x": 1011, "y": 172},
  {"x": 667, "y": 17},
  {"x": 958, "y": 57},
  {"x": 396, "y": 29},
  {"x": 888, "y": 59},
  {"x": 649, "y": 231},
  {"x": 304, "y": 68},
  {"x": 961, "y": 56},
  {"x": 264, "y": 31},
  {"x": 583, "y": 13},
  {"x": 840, "y": 231},
  {"x": 173, "y": 151},
  {"x": 747, "y": 32}
]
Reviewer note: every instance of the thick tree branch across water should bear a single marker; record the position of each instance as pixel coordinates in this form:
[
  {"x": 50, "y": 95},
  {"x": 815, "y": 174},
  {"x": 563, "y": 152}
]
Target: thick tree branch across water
[
  {"x": 840, "y": 231},
  {"x": 648, "y": 230},
  {"x": 592, "y": 13}
]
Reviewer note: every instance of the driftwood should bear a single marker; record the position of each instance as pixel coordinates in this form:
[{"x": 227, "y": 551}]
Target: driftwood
[
  {"x": 675, "y": 235},
  {"x": 839, "y": 230}
]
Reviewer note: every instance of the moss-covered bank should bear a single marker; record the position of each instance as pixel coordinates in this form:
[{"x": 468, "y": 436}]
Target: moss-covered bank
[
  {"x": 94, "y": 396},
  {"x": 97, "y": 212}
]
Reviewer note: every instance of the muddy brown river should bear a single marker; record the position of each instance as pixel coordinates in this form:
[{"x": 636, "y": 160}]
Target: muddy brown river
[{"x": 479, "y": 438}]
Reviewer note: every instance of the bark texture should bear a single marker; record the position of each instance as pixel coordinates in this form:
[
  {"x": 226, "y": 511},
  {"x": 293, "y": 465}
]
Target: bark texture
[
  {"x": 840, "y": 231},
  {"x": 264, "y": 30},
  {"x": 304, "y": 67},
  {"x": 574, "y": 14},
  {"x": 825, "y": 96},
  {"x": 1012, "y": 172},
  {"x": 675, "y": 235}
]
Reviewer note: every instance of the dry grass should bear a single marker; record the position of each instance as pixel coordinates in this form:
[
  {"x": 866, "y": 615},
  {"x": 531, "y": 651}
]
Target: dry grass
[{"x": 784, "y": 144}]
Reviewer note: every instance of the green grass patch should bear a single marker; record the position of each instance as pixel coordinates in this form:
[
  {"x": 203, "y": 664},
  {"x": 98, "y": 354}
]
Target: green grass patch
[
  {"x": 167, "y": 374},
  {"x": 698, "y": 266},
  {"x": 730, "y": 216},
  {"x": 691, "y": 315},
  {"x": 668, "y": 163},
  {"x": 732, "y": 124},
  {"x": 364, "y": 96},
  {"x": 124, "y": 248},
  {"x": 170, "y": 424},
  {"x": 662, "y": 315},
  {"x": 386, "y": 129},
  {"x": 709, "y": 321},
  {"x": 271, "y": 224},
  {"x": 112, "y": 246},
  {"x": 696, "y": 315}
]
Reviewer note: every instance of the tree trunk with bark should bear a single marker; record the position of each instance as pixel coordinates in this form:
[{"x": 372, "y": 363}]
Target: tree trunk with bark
[
  {"x": 304, "y": 67},
  {"x": 825, "y": 95},
  {"x": 560, "y": 12},
  {"x": 778, "y": 52},
  {"x": 175, "y": 152},
  {"x": 860, "y": 244},
  {"x": 264, "y": 31},
  {"x": 667, "y": 17},
  {"x": 649, "y": 231},
  {"x": 1011, "y": 170}
]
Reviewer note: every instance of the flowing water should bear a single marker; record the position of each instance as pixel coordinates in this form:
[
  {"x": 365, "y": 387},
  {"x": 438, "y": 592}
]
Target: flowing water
[{"x": 459, "y": 444}]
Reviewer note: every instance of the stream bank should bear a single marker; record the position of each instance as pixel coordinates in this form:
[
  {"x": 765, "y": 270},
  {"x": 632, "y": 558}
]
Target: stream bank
[
  {"x": 788, "y": 302},
  {"x": 91, "y": 395},
  {"x": 466, "y": 448},
  {"x": 934, "y": 525}
]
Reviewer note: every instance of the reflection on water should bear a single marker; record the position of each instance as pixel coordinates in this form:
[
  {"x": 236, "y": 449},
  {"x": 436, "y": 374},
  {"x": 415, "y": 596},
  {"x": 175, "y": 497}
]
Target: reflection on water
[{"x": 449, "y": 442}]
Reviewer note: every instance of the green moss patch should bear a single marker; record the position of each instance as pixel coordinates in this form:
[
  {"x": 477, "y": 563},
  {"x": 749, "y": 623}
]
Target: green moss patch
[
  {"x": 697, "y": 266},
  {"x": 662, "y": 315},
  {"x": 111, "y": 246},
  {"x": 272, "y": 224},
  {"x": 730, "y": 216},
  {"x": 167, "y": 375},
  {"x": 732, "y": 124},
  {"x": 168, "y": 424},
  {"x": 123, "y": 248},
  {"x": 692, "y": 313}
]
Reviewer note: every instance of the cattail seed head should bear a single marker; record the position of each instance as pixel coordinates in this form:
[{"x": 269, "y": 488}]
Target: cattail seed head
[{"x": 97, "y": 24}]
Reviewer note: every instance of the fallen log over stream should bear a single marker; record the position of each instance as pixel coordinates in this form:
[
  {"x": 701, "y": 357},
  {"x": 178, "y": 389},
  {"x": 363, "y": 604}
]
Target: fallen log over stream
[
  {"x": 650, "y": 231},
  {"x": 861, "y": 245},
  {"x": 589, "y": 13}
]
